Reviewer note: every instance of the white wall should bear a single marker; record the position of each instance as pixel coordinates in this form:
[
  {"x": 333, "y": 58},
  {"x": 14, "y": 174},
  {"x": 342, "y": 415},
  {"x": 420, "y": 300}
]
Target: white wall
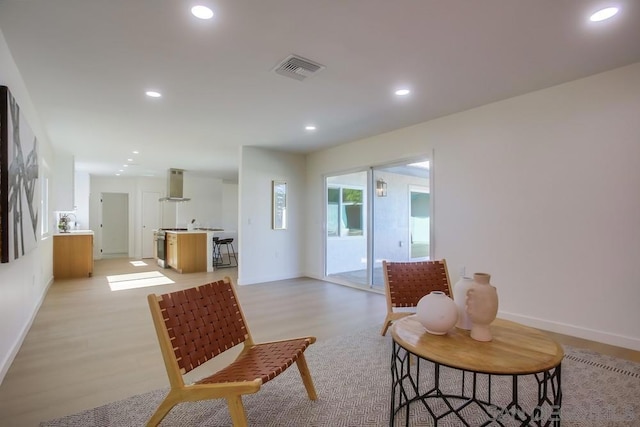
[
  {"x": 230, "y": 206},
  {"x": 23, "y": 282},
  {"x": 205, "y": 205},
  {"x": 63, "y": 188},
  {"x": 168, "y": 213},
  {"x": 268, "y": 254},
  {"x": 82, "y": 185},
  {"x": 540, "y": 190}
]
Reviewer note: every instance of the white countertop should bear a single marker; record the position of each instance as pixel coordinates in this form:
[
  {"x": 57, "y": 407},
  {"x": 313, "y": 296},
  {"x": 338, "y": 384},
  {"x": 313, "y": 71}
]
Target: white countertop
[{"x": 76, "y": 233}]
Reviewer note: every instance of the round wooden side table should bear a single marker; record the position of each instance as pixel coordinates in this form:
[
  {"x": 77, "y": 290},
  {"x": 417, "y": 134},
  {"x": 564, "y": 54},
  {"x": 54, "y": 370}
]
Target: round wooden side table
[{"x": 458, "y": 379}]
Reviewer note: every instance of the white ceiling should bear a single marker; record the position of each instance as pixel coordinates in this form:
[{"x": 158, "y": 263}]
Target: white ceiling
[{"x": 87, "y": 64}]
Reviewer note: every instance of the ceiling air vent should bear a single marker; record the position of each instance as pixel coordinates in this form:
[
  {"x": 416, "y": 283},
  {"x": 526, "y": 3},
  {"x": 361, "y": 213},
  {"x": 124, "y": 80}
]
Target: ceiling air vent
[{"x": 297, "y": 67}]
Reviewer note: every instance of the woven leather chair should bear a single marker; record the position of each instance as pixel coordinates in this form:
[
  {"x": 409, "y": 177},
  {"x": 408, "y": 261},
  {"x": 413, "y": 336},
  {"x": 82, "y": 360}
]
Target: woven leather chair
[
  {"x": 406, "y": 282},
  {"x": 194, "y": 326}
]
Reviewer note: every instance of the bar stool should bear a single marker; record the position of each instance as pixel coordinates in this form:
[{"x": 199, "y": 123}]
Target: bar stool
[
  {"x": 217, "y": 256},
  {"x": 224, "y": 248}
]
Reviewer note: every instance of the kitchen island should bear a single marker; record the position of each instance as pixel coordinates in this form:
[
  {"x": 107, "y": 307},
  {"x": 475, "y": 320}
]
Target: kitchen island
[
  {"x": 73, "y": 254},
  {"x": 187, "y": 251}
]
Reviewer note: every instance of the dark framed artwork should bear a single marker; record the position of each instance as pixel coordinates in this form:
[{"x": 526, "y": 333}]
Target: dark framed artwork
[
  {"x": 4, "y": 177},
  {"x": 19, "y": 185}
]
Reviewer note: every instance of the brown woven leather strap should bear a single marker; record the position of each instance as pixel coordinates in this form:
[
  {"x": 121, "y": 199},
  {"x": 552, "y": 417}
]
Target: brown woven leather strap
[
  {"x": 410, "y": 281},
  {"x": 264, "y": 361},
  {"x": 202, "y": 322}
]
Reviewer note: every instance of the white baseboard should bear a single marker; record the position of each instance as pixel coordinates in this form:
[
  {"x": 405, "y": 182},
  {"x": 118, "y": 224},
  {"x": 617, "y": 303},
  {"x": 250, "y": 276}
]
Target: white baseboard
[
  {"x": 6, "y": 363},
  {"x": 575, "y": 331},
  {"x": 263, "y": 279}
]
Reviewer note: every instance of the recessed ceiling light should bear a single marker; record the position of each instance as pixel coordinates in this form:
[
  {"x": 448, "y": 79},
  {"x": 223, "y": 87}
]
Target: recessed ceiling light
[
  {"x": 603, "y": 14},
  {"x": 121, "y": 170},
  {"x": 117, "y": 174},
  {"x": 202, "y": 12},
  {"x": 125, "y": 166},
  {"x": 310, "y": 127},
  {"x": 153, "y": 94},
  {"x": 129, "y": 160},
  {"x": 136, "y": 152},
  {"x": 403, "y": 92}
]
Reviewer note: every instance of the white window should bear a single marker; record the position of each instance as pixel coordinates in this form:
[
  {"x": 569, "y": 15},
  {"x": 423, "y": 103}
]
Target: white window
[{"x": 44, "y": 206}]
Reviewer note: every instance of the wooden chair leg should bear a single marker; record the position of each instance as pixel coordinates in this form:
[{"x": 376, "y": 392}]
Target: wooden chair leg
[
  {"x": 237, "y": 412},
  {"x": 306, "y": 377},
  {"x": 385, "y": 326},
  {"x": 165, "y": 406}
]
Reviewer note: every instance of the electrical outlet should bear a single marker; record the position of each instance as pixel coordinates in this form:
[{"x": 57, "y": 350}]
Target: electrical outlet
[
  {"x": 400, "y": 243},
  {"x": 462, "y": 271}
]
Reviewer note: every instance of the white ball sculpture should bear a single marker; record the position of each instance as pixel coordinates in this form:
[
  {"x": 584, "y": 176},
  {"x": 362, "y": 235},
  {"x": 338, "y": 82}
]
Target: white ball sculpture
[{"x": 437, "y": 313}]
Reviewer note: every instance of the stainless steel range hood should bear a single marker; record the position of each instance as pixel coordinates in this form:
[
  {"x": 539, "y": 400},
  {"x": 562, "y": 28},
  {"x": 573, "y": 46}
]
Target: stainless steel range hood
[{"x": 174, "y": 186}]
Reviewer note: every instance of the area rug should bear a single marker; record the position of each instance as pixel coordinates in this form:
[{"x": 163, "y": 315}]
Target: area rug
[{"x": 352, "y": 377}]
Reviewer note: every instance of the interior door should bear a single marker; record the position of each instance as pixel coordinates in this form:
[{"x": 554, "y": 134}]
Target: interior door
[
  {"x": 150, "y": 221},
  {"x": 115, "y": 225}
]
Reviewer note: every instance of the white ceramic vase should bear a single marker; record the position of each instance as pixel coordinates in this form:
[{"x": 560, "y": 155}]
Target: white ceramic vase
[
  {"x": 437, "y": 313},
  {"x": 482, "y": 306},
  {"x": 460, "y": 289}
]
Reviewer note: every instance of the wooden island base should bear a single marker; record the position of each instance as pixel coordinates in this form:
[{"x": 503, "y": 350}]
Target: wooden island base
[
  {"x": 73, "y": 255},
  {"x": 187, "y": 251}
]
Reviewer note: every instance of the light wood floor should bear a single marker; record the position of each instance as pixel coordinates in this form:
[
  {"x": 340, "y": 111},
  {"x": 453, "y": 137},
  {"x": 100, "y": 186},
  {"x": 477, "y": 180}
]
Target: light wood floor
[{"x": 89, "y": 345}]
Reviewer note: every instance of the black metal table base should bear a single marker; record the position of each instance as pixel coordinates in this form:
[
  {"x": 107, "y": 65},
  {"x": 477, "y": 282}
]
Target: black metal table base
[{"x": 466, "y": 398}]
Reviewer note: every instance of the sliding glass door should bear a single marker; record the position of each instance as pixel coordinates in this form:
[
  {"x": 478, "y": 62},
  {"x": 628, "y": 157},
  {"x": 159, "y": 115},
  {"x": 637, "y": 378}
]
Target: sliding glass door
[
  {"x": 346, "y": 219},
  {"x": 383, "y": 213},
  {"x": 419, "y": 222},
  {"x": 401, "y": 226}
]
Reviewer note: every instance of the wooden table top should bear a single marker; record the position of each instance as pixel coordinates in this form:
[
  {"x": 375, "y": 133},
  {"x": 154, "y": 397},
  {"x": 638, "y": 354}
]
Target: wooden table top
[{"x": 515, "y": 349}]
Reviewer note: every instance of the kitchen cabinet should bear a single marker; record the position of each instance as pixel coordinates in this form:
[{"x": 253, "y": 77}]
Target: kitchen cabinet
[
  {"x": 73, "y": 255},
  {"x": 172, "y": 250},
  {"x": 187, "y": 251}
]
